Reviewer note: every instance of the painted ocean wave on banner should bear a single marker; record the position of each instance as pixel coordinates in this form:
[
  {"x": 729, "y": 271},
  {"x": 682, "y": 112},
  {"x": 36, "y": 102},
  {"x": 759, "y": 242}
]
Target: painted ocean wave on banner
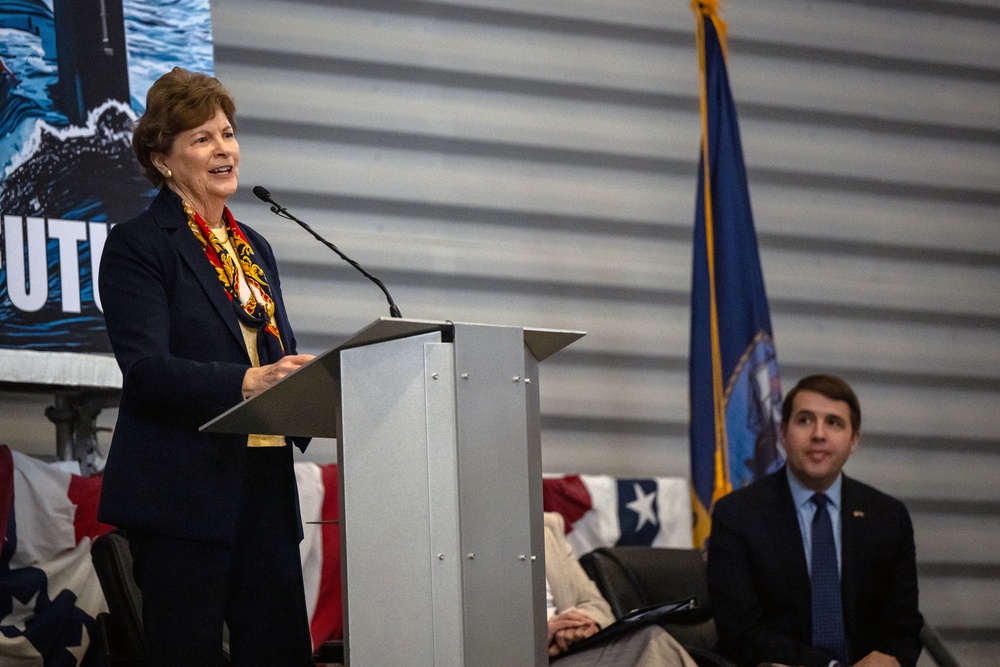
[
  {"x": 160, "y": 39},
  {"x": 73, "y": 79}
]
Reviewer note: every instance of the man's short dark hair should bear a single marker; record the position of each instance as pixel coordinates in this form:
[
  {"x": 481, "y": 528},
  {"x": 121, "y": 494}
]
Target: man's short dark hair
[{"x": 830, "y": 386}]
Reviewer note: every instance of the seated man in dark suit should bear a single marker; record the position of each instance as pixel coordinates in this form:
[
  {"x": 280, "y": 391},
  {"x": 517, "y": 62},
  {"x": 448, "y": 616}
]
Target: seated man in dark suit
[{"x": 807, "y": 566}]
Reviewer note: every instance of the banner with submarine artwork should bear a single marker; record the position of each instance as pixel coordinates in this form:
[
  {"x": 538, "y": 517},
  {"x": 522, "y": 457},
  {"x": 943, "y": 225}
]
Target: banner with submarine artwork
[{"x": 73, "y": 80}]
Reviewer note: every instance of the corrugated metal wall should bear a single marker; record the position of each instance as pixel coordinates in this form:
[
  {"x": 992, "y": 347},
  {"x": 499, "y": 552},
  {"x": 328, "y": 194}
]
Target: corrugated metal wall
[{"x": 533, "y": 162}]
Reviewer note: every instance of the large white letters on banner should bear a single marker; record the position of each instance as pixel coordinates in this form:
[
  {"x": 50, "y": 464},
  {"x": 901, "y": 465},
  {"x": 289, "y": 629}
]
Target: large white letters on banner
[{"x": 29, "y": 269}]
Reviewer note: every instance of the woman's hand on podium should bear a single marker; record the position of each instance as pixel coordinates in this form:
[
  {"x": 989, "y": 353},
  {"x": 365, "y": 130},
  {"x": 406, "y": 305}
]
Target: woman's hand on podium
[{"x": 258, "y": 379}]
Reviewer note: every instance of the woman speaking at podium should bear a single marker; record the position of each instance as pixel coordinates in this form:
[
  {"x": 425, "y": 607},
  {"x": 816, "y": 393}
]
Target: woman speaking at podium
[{"x": 197, "y": 323}]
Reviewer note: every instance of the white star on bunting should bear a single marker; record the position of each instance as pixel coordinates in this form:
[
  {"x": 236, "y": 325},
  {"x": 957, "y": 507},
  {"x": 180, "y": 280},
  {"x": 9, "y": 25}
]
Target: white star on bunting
[{"x": 643, "y": 506}]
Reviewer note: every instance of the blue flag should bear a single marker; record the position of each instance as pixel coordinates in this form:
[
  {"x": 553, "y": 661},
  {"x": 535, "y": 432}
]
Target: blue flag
[{"x": 735, "y": 391}]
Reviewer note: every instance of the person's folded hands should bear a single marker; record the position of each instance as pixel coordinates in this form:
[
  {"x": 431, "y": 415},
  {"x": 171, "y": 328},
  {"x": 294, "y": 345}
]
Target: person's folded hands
[{"x": 569, "y": 627}]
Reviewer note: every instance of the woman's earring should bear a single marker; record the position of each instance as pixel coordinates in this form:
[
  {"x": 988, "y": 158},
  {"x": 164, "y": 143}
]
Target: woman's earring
[{"x": 169, "y": 173}]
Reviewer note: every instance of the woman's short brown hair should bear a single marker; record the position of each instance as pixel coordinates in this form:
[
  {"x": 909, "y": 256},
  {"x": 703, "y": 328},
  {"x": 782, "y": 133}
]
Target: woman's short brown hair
[
  {"x": 176, "y": 102},
  {"x": 830, "y": 386}
]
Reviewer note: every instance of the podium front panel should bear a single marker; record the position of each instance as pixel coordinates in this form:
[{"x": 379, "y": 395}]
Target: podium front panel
[{"x": 385, "y": 504}]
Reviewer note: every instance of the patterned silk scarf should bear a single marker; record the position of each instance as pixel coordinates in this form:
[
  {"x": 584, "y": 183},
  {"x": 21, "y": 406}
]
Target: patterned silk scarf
[{"x": 258, "y": 310}]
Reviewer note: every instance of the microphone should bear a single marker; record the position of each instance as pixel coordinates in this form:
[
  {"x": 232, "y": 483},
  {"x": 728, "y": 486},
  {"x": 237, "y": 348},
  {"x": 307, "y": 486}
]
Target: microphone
[{"x": 265, "y": 196}]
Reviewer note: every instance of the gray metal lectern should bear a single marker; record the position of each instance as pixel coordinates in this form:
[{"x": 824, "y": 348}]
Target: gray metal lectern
[{"x": 442, "y": 549}]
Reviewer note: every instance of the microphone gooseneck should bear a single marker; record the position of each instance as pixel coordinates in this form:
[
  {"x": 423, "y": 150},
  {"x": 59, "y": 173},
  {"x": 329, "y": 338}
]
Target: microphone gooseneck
[{"x": 265, "y": 196}]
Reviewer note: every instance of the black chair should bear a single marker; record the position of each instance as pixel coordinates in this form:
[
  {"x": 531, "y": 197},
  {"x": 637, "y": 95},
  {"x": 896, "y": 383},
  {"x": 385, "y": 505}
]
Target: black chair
[
  {"x": 636, "y": 577},
  {"x": 936, "y": 649},
  {"x": 330, "y": 652},
  {"x": 119, "y": 630}
]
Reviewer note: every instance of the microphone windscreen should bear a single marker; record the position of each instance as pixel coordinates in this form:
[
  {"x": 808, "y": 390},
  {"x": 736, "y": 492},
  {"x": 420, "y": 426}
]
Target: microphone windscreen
[{"x": 262, "y": 193}]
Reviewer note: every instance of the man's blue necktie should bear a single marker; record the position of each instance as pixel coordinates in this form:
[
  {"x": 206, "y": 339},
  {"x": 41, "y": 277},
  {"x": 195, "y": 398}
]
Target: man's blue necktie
[{"x": 827, "y": 611}]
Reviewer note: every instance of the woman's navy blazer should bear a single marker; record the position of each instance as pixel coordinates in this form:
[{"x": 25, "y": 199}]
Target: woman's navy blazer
[{"x": 183, "y": 357}]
